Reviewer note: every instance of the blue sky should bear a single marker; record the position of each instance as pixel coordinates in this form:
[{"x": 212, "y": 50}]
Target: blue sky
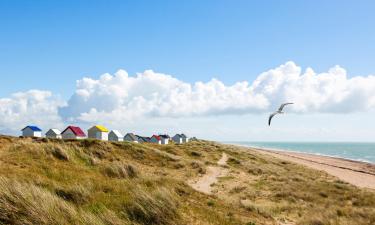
[
  {"x": 50, "y": 44},
  {"x": 48, "y": 47}
]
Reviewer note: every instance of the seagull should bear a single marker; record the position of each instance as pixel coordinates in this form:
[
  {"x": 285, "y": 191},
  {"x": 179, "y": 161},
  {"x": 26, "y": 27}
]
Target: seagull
[{"x": 279, "y": 111}]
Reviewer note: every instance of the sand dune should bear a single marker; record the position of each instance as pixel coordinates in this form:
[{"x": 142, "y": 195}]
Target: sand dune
[{"x": 357, "y": 173}]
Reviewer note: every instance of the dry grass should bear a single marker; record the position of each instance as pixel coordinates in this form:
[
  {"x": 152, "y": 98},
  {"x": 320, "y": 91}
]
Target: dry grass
[
  {"x": 24, "y": 203},
  {"x": 156, "y": 207},
  {"x": 91, "y": 182},
  {"x": 120, "y": 170}
]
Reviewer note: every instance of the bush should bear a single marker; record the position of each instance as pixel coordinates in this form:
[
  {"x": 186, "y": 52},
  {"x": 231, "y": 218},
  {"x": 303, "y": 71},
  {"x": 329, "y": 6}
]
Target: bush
[
  {"x": 60, "y": 153},
  {"x": 78, "y": 194},
  {"x": 233, "y": 161},
  {"x": 210, "y": 203},
  {"x": 195, "y": 154},
  {"x": 152, "y": 208},
  {"x": 197, "y": 165},
  {"x": 120, "y": 170}
]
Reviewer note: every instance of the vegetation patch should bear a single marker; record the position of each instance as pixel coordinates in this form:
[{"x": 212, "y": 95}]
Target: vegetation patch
[{"x": 120, "y": 170}]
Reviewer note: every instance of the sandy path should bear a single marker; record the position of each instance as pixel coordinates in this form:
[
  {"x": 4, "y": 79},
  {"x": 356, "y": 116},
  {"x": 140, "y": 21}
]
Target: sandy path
[
  {"x": 356, "y": 173},
  {"x": 204, "y": 183}
]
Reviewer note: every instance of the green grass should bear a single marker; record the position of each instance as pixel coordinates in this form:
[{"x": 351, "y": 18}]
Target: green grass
[{"x": 91, "y": 182}]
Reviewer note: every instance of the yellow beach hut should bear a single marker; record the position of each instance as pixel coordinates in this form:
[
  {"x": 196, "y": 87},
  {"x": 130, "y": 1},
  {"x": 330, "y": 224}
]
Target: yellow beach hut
[{"x": 98, "y": 132}]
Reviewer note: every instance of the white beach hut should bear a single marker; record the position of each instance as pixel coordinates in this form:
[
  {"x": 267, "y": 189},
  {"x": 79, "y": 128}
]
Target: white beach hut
[
  {"x": 72, "y": 132},
  {"x": 115, "y": 135},
  {"x": 164, "y": 139},
  {"x": 185, "y": 139},
  {"x": 32, "y": 131},
  {"x": 98, "y": 132},
  {"x": 177, "y": 139},
  {"x": 53, "y": 133},
  {"x": 131, "y": 137}
]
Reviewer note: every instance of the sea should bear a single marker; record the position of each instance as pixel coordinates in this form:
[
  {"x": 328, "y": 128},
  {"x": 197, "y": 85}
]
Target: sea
[{"x": 359, "y": 151}]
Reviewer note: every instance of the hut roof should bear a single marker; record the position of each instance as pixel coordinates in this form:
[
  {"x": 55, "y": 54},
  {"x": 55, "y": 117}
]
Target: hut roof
[
  {"x": 117, "y": 133},
  {"x": 101, "y": 128},
  {"x": 76, "y": 130},
  {"x": 33, "y": 128}
]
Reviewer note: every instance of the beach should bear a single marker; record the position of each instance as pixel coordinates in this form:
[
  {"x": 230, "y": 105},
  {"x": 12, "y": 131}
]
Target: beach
[{"x": 360, "y": 174}]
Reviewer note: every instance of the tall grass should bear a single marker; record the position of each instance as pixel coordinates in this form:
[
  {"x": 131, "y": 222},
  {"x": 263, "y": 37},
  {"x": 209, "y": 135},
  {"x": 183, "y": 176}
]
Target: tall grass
[
  {"x": 25, "y": 203},
  {"x": 46, "y": 181}
]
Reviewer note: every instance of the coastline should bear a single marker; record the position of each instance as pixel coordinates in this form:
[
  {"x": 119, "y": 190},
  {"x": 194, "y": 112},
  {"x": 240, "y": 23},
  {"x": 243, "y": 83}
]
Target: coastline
[
  {"x": 358, "y": 173},
  {"x": 303, "y": 152}
]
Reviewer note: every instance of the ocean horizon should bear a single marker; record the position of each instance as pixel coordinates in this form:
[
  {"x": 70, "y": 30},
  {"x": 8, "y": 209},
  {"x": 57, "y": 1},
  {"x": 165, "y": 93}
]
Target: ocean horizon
[{"x": 358, "y": 151}]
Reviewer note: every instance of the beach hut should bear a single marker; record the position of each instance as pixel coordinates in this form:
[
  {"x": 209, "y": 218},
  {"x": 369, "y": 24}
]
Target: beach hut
[
  {"x": 53, "y": 133},
  {"x": 115, "y": 135},
  {"x": 185, "y": 139},
  {"x": 164, "y": 139},
  {"x": 131, "y": 137},
  {"x": 155, "y": 139},
  {"x": 143, "y": 139},
  {"x": 73, "y": 132},
  {"x": 177, "y": 139},
  {"x": 98, "y": 132},
  {"x": 31, "y": 131},
  {"x": 193, "y": 139}
]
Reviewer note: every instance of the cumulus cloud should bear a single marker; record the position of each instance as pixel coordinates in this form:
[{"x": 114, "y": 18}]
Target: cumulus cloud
[
  {"x": 23, "y": 108},
  {"x": 330, "y": 92},
  {"x": 121, "y": 97},
  {"x": 153, "y": 94}
]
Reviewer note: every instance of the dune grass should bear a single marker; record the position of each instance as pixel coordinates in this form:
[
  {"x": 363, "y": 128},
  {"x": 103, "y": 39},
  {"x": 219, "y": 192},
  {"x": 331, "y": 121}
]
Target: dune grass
[{"x": 91, "y": 182}]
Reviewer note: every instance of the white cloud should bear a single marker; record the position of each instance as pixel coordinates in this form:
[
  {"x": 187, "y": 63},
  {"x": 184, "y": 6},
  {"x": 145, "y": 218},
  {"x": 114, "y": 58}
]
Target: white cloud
[
  {"x": 120, "y": 97},
  {"x": 121, "y": 100},
  {"x": 330, "y": 92},
  {"x": 149, "y": 94},
  {"x": 31, "y": 107}
]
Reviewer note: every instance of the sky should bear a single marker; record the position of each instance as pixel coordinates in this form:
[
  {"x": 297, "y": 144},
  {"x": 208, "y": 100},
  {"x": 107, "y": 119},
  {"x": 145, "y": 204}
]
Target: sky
[{"x": 211, "y": 69}]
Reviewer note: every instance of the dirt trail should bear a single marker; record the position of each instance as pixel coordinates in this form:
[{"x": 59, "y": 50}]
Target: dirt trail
[{"x": 203, "y": 184}]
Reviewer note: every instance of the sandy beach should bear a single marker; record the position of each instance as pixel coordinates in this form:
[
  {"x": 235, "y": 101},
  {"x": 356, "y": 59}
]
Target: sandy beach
[{"x": 360, "y": 174}]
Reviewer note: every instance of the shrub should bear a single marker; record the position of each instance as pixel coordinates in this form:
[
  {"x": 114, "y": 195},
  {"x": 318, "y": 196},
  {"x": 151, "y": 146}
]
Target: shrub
[
  {"x": 210, "y": 203},
  {"x": 60, "y": 153},
  {"x": 195, "y": 154},
  {"x": 78, "y": 194},
  {"x": 120, "y": 170},
  {"x": 233, "y": 161},
  {"x": 155, "y": 207},
  {"x": 198, "y": 166},
  {"x": 255, "y": 171}
]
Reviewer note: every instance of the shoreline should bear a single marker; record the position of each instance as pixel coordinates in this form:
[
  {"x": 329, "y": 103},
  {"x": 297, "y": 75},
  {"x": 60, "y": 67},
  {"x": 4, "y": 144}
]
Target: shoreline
[
  {"x": 296, "y": 151},
  {"x": 358, "y": 173}
]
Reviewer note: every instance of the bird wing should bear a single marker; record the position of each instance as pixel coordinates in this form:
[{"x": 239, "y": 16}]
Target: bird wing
[
  {"x": 283, "y": 105},
  {"x": 270, "y": 118}
]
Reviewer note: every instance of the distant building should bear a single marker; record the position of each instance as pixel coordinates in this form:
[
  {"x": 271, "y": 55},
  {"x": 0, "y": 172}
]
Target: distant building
[
  {"x": 31, "y": 131},
  {"x": 143, "y": 139},
  {"x": 156, "y": 139},
  {"x": 131, "y": 137},
  {"x": 164, "y": 139},
  {"x": 177, "y": 139},
  {"x": 185, "y": 139},
  {"x": 115, "y": 135},
  {"x": 98, "y": 132},
  {"x": 53, "y": 133},
  {"x": 73, "y": 132},
  {"x": 193, "y": 139}
]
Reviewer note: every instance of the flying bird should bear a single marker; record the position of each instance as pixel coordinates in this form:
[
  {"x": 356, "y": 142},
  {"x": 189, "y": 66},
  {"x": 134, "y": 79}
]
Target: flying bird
[{"x": 279, "y": 111}]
